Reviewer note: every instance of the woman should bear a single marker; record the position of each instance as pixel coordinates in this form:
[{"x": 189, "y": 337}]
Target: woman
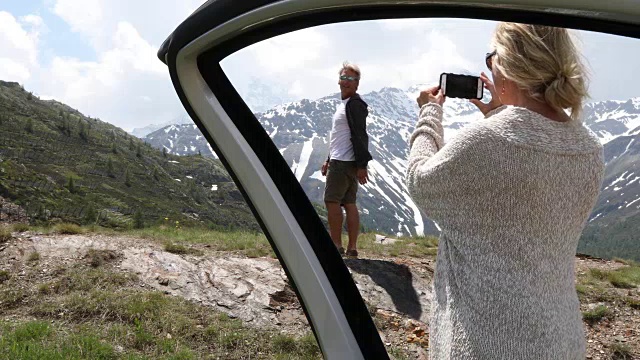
[{"x": 512, "y": 194}]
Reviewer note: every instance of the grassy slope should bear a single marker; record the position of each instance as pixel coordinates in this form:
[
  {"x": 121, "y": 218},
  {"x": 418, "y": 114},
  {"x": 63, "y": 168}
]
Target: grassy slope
[{"x": 57, "y": 163}]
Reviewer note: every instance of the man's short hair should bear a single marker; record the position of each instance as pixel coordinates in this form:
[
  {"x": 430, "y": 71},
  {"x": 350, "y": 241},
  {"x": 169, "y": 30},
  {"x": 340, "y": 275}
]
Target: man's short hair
[{"x": 349, "y": 66}]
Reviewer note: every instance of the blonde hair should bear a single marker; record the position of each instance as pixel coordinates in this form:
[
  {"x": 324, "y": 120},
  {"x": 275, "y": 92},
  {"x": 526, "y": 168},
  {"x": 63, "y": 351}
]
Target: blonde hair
[
  {"x": 349, "y": 66},
  {"x": 544, "y": 61}
]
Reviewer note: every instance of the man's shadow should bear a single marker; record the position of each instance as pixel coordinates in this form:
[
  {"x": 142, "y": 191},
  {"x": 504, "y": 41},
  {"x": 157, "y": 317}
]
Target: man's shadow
[{"x": 396, "y": 279}]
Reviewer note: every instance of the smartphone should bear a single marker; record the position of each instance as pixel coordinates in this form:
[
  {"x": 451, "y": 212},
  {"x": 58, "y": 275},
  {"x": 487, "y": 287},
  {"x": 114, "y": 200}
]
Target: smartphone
[{"x": 461, "y": 86}]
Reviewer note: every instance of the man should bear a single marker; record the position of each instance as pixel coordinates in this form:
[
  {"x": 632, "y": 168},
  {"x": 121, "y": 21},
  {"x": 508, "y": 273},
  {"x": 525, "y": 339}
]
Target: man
[{"x": 346, "y": 165}]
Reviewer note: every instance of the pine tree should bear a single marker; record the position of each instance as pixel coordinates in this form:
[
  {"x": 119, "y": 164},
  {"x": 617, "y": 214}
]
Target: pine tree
[
  {"x": 156, "y": 175},
  {"x": 42, "y": 213},
  {"x": 127, "y": 178},
  {"x": 138, "y": 221},
  {"x": 71, "y": 185},
  {"x": 29, "y": 126},
  {"x": 138, "y": 151},
  {"x": 67, "y": 125},
  {"x": 91, "y": 216},
  {"x": 110, "y": 168},
  {"x": 164, "y": 151},
  {"x": 114, "y": 148},
  {"x": 131, "y": 144},
  {"x": 82, "y": 131}
]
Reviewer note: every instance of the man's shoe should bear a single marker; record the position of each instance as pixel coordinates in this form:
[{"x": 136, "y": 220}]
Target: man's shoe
[
  {"x": 352, "y": 253},
  {"x": 341, "y": 250}
]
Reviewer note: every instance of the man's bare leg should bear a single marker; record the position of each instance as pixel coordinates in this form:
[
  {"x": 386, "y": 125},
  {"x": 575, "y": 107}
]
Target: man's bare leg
[
  {"x": 353, "y": 225},
  {"x": 334, "y": 217}
]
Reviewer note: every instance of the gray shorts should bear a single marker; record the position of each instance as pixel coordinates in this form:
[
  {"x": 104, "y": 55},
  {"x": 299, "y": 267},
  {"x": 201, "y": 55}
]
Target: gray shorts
[{"x": 342, "y": 182}]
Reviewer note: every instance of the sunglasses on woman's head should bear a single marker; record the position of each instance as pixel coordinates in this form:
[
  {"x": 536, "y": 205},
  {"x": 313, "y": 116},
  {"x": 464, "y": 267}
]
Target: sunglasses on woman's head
[
  {"x": 489, "y": 59},
  {"x": 350, "y": 78}
]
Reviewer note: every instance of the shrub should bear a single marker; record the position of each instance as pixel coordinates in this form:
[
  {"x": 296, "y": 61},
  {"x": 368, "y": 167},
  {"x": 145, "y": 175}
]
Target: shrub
[
  {"x": 99, "y": 257},
  {"x": 5, "y": 234},
  {"x": 68, "y": 229},
  {"x": 285, "y": 344},
  {"x": 20, "y": 227},
  {"x": 597, "y": 314},
  {"x": 175, "y": 249},
  {"x": 4, "y": 276},
  {"x": 621, "y": 352}
]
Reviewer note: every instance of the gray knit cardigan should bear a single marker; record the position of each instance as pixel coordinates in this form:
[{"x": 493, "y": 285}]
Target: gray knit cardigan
[{"x": 511, "y": 193}]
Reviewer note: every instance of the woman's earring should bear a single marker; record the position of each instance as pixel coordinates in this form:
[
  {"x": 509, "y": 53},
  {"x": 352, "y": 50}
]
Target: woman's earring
[{"x": 503, "y": 80}]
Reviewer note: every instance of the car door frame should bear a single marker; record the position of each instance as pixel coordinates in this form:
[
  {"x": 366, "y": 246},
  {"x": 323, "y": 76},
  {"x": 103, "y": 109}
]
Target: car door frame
[{"x": 338, "y": 316}]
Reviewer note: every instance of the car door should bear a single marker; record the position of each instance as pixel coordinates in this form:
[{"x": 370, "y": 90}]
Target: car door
[{"x": 193, "y": 52}]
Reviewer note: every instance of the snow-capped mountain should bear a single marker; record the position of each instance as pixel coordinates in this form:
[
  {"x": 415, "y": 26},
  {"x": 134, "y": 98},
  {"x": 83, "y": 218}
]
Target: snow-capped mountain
[
  {"x": 612, "y": 228},
  {"x": 144, "y": 131},
  {"x": 300, "y": 130},
  {"x": 185, "y": 139},
  {"x": 612, "y": 119}
]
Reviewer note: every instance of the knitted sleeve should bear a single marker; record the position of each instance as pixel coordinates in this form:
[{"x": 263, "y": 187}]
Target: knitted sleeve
[{"x": 440, "y": 176}]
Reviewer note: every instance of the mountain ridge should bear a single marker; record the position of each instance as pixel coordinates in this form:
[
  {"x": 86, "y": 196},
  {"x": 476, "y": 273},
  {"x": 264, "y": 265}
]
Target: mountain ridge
[{"x": 300, "y": 130}]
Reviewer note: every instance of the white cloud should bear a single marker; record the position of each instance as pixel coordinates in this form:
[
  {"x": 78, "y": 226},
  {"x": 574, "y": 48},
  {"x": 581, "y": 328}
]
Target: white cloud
[
  {"x": 406, "y": 24},
  {"x": 83, "y": 16},
  {"x": 125, "y": 83},
  {"x": 97, "y": 20},
  {"x": 423, "y": 65},
  {"x": 19, "y": 44},
  {"x": 291, "y": 52},
  {"x": 306, "y": 61},
  {"x": 119, "y": 85},
  {"x": 12, "y": 70}
]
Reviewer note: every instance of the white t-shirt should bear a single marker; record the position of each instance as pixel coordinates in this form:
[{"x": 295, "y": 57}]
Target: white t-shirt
[{"x": 340, "y": 146}]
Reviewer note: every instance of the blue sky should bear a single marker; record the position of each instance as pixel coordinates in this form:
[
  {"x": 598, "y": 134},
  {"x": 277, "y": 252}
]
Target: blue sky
[
  {"x": 57, "y": 38},
  {"x": 99, "y": 56}
]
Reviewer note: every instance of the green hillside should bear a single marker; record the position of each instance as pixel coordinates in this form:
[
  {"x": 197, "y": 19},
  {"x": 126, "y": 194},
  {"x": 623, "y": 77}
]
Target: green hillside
[{"x": 60, "y": 165}]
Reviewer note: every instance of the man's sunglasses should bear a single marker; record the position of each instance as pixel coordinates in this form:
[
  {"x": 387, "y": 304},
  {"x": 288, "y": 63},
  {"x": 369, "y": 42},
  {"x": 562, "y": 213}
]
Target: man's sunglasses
[
  {"x": 489, "y": 59},
  {"x": 350, "y": 78}
]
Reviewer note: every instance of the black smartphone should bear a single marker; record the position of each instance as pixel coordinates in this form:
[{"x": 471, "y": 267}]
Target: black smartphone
[{"x": 461, "y": 86}]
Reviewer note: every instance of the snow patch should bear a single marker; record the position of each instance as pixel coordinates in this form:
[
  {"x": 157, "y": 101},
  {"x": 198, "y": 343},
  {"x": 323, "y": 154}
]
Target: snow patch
[
  {"x": 621, "y": 178},
  {"x": 632, "y": 181},
  {"x": 634, "y": 201},
  {"x": 318, "y": 176},
  {"x": 307, "y": 148}
]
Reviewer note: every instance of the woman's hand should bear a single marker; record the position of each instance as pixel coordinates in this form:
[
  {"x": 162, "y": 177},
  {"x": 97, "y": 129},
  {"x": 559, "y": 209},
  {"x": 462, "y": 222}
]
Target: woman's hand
[
  {"x": 495, "y": 99},
  {"x": 432, "y": 95}
]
